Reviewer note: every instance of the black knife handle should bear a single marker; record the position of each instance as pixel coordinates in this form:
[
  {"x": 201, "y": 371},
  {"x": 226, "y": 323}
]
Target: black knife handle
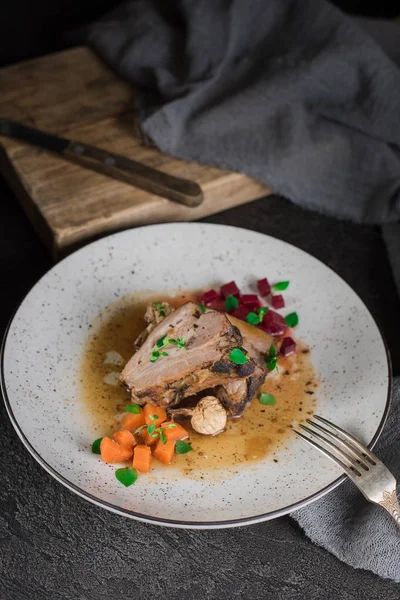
[
  {"x": 146, "y": 178},
  {"x": 113, "y": 165}
]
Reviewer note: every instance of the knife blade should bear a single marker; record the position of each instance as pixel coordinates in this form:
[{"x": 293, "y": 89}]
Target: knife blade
[{"x": 183, "y": 191}]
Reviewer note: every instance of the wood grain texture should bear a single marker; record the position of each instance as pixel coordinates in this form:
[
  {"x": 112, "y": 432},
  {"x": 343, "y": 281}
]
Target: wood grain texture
[{"x": 73, "y": 94}]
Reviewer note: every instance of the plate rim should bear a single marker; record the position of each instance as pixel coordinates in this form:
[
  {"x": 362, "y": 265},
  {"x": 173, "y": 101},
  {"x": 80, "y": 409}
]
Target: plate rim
[{"x": 220, "y": 524}]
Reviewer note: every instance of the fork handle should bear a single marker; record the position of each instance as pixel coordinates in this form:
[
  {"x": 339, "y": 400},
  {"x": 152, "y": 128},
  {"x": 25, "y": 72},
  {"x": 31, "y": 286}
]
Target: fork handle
[{"x": 390, "y": 503}]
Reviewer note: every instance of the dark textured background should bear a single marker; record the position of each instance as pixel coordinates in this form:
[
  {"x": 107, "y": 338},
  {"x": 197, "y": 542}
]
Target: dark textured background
[
  {"x": 32, "y": 27},
  {"x": 56, "y": 546}
]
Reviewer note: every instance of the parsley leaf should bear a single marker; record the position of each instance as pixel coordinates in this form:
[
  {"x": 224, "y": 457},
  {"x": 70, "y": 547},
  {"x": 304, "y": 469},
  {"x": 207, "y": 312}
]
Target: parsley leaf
[
  {"x": 133, "y": 408},
  {"x": 181, "y": 342},
  {"x": 96, "y": 446},
  {"x": 253, "y": 318},
  {"x": 238, "y": 356},
  {"x": 261, "y": 311},
  {"x": 126, "y": 476},
  {"x": 281, "y": 286},
  {"x": 267, "y": 399},
  {"x": 163, "y": 341},
  {"x": 292, "y": 319},
  {"x": 231, "y": 303},
  {"x": 182, "y": 447},
  {"x": 159, "y": 306},
  {"x": 271, "y": 359},
  {"x": 139, "y": 429}
]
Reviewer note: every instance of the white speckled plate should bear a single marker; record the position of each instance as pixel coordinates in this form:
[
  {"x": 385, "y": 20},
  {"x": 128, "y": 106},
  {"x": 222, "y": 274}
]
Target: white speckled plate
[{"x": 43, "y": 346}]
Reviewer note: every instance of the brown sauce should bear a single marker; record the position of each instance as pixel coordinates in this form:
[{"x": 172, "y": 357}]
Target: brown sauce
[{"x": 258, "y": 433}]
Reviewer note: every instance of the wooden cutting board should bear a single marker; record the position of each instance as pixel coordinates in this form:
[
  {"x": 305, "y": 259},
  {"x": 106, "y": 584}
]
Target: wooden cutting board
[{"x": 73, "y": 94}]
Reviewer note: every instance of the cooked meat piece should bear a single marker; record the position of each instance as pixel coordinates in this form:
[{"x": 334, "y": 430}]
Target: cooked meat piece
[
  {"x": 252, "y": 336},
  {"x": 202, "y": 363},
  {"x": 209, "y": 416},
  {"x": 155, "y": 313},
  {"x": 260, "y": 372},
  {"x": 177, "y": 413},
  {"x": 235, "y": 395}
]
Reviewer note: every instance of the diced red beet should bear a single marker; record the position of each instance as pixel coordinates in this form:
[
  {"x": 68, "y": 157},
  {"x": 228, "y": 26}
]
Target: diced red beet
[
  {"x": 251, "y": 301},
  {"x": 273, "y": 323},
  {"x": 288, "y": 346},
  {"x": 241, "y": 312},
  {"x": 230, "y": 289},
  {"x": 263, "y": 287},
  {"x": 209, "y": 297},
  {"x": 278, "y": 301}
]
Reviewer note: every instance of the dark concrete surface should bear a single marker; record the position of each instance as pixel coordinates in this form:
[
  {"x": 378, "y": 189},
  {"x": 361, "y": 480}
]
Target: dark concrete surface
[{"x": 56, "y": 546}]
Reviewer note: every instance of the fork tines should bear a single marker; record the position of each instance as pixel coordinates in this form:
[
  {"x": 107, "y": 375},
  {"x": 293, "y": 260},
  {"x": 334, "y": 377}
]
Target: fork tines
[{"x": 338, "y": 445}]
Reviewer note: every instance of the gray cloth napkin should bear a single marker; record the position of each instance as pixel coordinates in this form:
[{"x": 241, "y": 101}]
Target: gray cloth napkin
[
  {"x": 306, "y": 99},
  {"x": 293, "y": 93}
]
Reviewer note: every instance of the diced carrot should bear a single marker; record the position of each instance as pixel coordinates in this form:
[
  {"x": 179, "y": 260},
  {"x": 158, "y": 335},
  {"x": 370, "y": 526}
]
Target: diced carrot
[
  {"x": 112, "y": 452},
  {"x": 147, "y": 438},
  {"x": 150, "y": 410},
  {"x": 125, "y": 438},
  {"x": 165, "y": 452},
  {"x": 174, "y": 433},
  {"x": 142, "y": 458},
  {"x": 131, "y": 421}
]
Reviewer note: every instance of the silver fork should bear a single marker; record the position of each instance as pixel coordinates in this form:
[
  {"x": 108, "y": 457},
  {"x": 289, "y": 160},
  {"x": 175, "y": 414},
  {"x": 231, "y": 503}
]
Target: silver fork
[{"x": 370, "y": 475}]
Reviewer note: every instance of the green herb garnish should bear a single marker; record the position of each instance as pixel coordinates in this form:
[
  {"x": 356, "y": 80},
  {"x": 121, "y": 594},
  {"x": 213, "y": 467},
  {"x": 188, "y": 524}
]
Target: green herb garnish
[
  {"x": 253, "y": 318},
  {"x": 261, "y": 311},
  {"x": 231, "y": 303},
  {"x": 151, "y": 429},
  {"x": 139, "y": 429},
  {"x": 163, "y": 342},
  {"x": 182, "y": 447},
  {"x": 292, "y": 319},
  {"x": 171, "y": 425},
  {"x": 126, "y": 476},
  {"x": 163, "y": 438},
  {"x": 96, "y": 446},
  {"x": 271, "y": 359},
  {"x": 272, "y": 363},
  {"x": 154, "y": 356},
  {"x": 238, "y": 356},
  {"x": 203, "y": 308},
  {"x": 158, "y": 306},
  {"x": 267, "y": 399},
  {"x": 281, "y": 286},
  {"x": 133, "y": 408}
]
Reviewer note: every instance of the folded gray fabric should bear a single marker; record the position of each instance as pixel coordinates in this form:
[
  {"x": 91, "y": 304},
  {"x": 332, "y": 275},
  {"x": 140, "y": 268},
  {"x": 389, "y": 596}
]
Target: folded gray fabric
[
  {"x": 306, "y": 99},
  {"x": 359, "y": 533},
  {"x": 293, "y": 93}
]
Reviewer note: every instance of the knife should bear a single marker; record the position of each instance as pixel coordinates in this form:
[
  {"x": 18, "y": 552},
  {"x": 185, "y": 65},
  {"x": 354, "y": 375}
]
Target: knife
[{"x": 119, "y": 167}]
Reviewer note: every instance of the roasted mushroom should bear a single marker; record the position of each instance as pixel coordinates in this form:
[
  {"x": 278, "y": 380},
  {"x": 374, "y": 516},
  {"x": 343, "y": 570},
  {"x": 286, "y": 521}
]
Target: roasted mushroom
[{"x": 209, "y": 416}]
